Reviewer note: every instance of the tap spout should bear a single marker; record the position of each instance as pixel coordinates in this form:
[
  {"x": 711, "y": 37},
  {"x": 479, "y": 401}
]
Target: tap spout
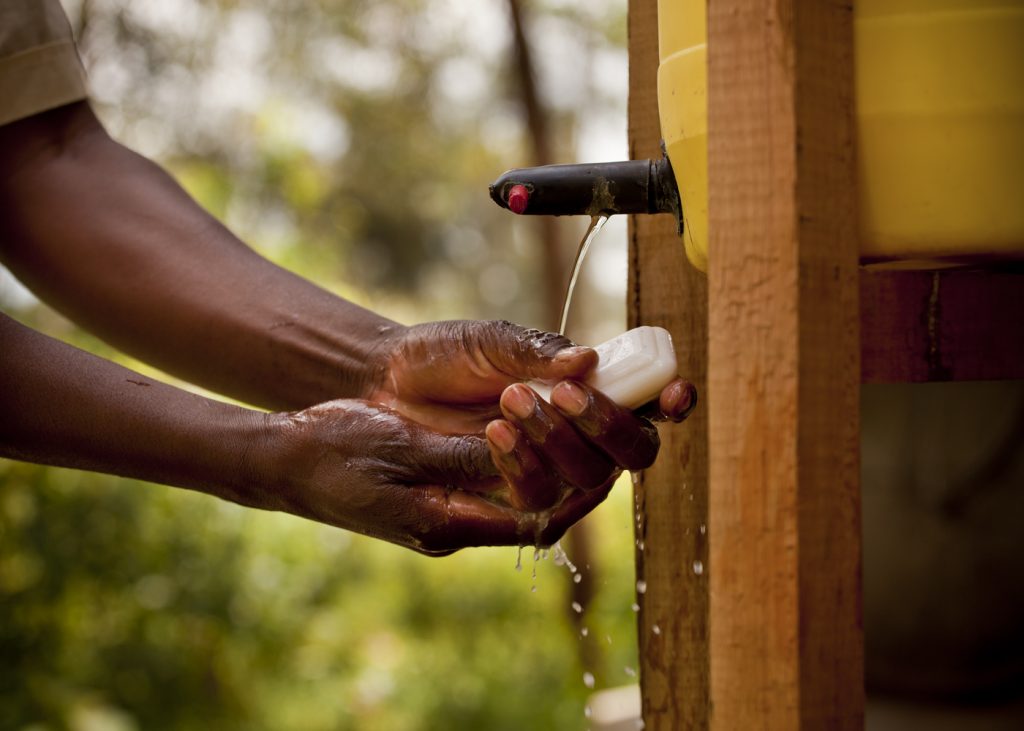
[{"x": 631, "y": 186}]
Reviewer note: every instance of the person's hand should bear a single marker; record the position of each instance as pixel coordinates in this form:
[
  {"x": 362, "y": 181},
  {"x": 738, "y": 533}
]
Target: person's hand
[
  {"x": 426, "y": 459},
  {"x": 279, "y": 342},
  {"x": 462, "y": 377},
  {"x": 366, "y": 468}
]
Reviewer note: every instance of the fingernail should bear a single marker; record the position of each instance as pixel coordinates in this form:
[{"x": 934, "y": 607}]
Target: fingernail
[
  {"x": 502, "y": 435},
  {"x": 687, "y": 401},
  {"x": 569, "y": 398},
  {"x": 519, "y": 400},
  {"x": 570, "y": 353}
]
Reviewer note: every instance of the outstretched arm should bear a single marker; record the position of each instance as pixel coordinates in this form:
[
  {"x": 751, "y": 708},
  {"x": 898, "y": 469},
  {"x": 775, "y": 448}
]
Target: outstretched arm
[
  {"x": 109, "y": 239},
  {"x": 62, "y": 406},
  {"x": 348, "y": 463}
]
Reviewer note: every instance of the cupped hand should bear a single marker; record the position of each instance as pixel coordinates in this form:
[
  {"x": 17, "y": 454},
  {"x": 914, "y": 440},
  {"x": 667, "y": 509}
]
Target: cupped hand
[
  {"x": 366, "y": 468},
  {"x": 462, "y": 377},
  {"x": 448, "y": 448}
]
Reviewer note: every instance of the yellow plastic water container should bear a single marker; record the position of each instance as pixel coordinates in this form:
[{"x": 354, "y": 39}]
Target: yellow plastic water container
[{"x": 940, "y": 123}]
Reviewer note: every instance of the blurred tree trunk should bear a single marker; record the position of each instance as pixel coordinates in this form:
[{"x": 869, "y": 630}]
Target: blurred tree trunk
[
  {"x": 579, "y": 539},
  {"x": 538, "y": 128}
]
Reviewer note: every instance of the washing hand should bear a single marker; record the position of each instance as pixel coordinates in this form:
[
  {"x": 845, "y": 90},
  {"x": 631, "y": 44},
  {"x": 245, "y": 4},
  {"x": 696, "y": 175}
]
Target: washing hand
[
  {"x": 449, "y": 449},
  {"x": 436, "y": 446}
]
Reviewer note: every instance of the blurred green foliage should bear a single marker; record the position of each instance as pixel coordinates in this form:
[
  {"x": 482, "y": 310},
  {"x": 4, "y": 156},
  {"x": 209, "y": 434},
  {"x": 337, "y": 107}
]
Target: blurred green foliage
[
  {"x": 129, "y": 606},
  {"x": 351, "y": 142}
]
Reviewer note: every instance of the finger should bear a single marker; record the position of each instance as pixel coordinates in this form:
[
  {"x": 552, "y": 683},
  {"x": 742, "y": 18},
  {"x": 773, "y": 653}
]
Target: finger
[
  {"x": 532, "y": 485},
  {"x": 675, "y": 402},
  {"x": 446, "y": 521},
  {"x": 459, "y": 461},
  {"x": 629, "y": 440},
  {"x": 450, "y": 520},
  {"x": 554, "y": 438},
  {"x": 678, "y": 400},
  {"x": 527, "y": 353}
]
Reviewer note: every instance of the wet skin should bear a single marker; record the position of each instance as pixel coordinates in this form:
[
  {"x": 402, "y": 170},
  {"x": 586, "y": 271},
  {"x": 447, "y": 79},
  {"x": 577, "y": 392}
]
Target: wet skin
[{"x": 422, "y": 436}]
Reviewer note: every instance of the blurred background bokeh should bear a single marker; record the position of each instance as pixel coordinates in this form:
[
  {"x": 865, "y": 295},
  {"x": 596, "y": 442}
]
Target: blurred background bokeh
[{"x": 351, "y": 141}]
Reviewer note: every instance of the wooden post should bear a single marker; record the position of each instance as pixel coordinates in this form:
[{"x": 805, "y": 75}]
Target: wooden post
[
  {"x": 672, "y": 496},
  {"x": 772, "y": 342},
  {"x": 785, "y": 571}
]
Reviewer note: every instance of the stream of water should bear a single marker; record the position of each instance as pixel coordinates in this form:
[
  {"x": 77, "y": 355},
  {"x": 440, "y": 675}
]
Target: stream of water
[
  {"x": 596, "y": 224},
  {"x": 560, "y": 558}
]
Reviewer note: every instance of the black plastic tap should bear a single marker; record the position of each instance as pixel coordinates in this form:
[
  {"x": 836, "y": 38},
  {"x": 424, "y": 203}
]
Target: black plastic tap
[{"x": 631, "y": 186}]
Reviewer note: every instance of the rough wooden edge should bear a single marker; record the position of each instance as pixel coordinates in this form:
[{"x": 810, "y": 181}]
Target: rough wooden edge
[{"x": 672, "y": 496}]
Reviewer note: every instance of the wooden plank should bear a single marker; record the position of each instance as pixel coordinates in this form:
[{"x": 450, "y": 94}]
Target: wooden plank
[
  {"x": 950, "y": 325},
  {"x": 785, "y": 600},
  {"x": 672, "y": 495}
]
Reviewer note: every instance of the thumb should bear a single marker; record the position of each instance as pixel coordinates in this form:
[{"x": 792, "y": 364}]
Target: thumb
[{"x": 526, "y": 353}]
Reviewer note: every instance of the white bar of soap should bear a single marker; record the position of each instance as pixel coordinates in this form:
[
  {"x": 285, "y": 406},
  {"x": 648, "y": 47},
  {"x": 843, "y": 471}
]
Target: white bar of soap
[{"x": 631, "y": 368}]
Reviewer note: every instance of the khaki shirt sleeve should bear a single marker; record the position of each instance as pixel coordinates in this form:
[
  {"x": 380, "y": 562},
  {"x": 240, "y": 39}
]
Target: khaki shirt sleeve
[{"x": 39, "y": 64}]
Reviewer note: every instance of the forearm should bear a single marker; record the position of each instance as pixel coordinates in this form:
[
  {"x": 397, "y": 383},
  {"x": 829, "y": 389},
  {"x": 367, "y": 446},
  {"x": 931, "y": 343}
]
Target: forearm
[
  {"x": 106, "y": 237},
  {"x": 62, "y": 406}
]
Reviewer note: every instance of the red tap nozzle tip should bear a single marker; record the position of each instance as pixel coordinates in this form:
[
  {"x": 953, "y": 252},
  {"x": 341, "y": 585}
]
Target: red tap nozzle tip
[{"x": 518, "y": 198}]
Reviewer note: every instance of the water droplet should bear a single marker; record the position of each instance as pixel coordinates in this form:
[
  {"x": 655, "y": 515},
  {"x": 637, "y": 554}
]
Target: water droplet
[
  {"x": 559, "y": 555},
  {"x": 584, "y": 632},
  {"x": 630, "y": 671},
  {"x": 640, "y": 545},
  {"x": 656, "y": 629},
  {"x": 587, "y": 711},
  {"x": 588, "y": 679},
  {"x": 698, "y": 567},
  {"x": 577, "y": 607},
  {"x": 561, "y": 558},
  {"x": 641, "y": 586},
  {"x": 533, "y": 589},
  {"x": 635, "y": 607},
  {"x": 609, "y": 638},
  {"x": 519, "y": 559},
  {"x": 640, "y": 724},
  {"x": 703, "y": 529},
  {"x": 577, "y": 578}
]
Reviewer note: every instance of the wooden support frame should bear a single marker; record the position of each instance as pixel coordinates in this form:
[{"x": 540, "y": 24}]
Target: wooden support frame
[
  {"x": 778, "y": 338},
  {"x": 778, "y": 430},
  {"x": 784, "y": 370},
  {"x": 672, "y": 495}
]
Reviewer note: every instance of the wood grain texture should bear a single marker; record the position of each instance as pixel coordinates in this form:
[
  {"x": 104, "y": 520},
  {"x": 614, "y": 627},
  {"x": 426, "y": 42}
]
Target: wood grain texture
[
  {"x": 941, "y": 326},
  {"x": 672, "y": 495},
  {"x": 785, "y": 600}
]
